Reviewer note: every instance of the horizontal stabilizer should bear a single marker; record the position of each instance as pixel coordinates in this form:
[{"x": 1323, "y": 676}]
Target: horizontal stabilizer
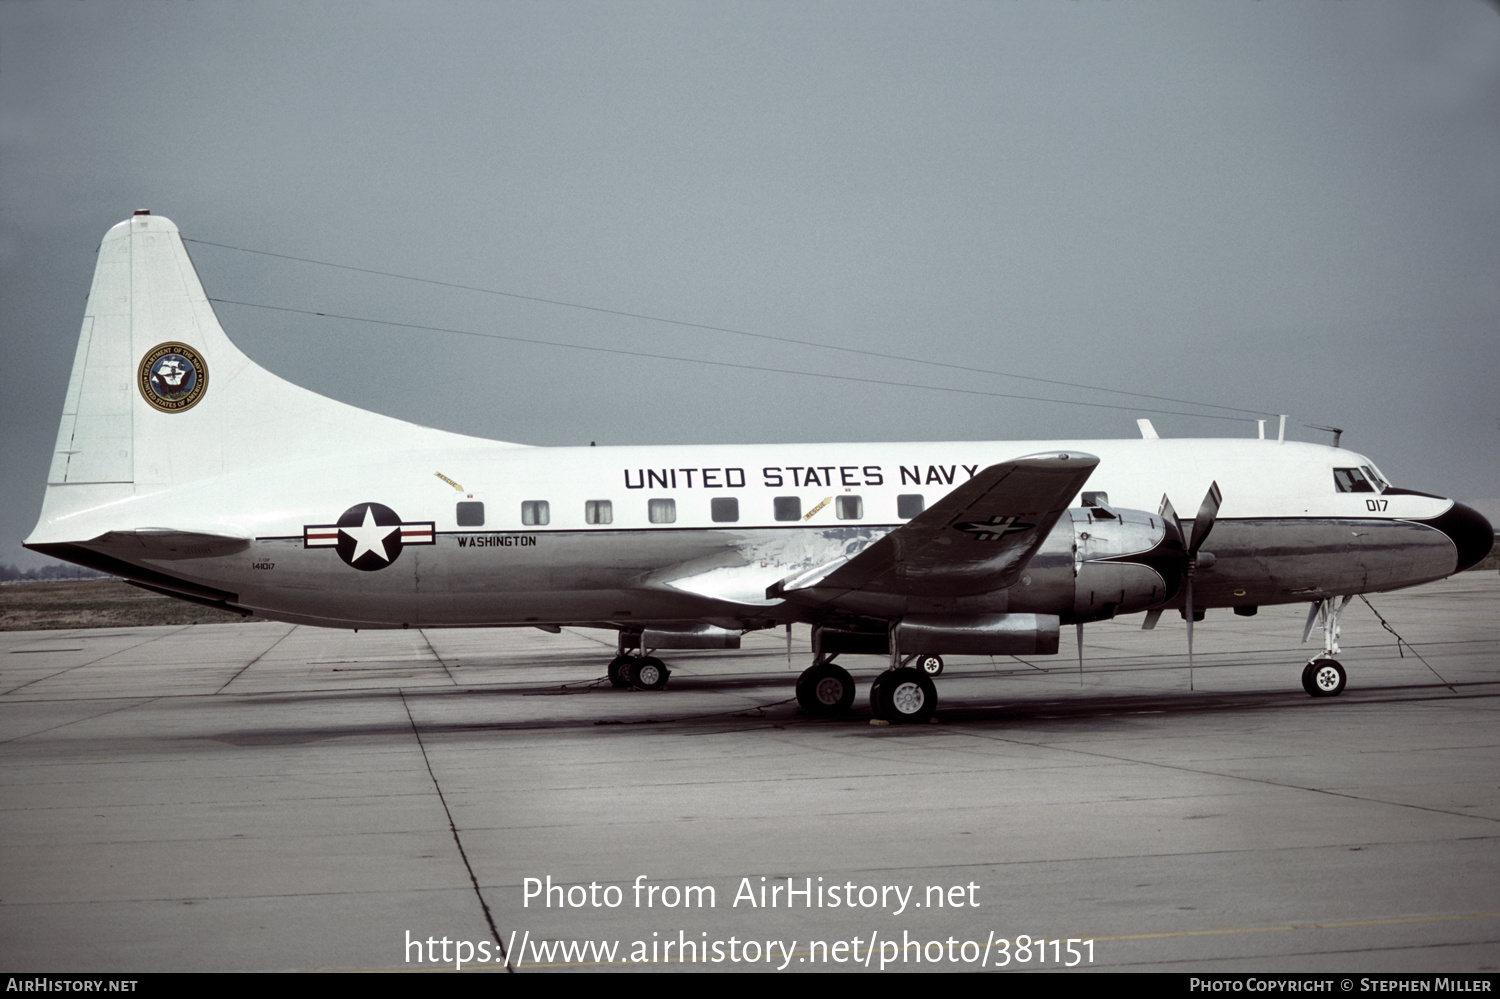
[{"x": 165, "y": 543}]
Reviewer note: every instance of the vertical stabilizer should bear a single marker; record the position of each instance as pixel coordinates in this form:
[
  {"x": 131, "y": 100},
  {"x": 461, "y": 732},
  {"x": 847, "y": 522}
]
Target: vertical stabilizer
[{"x": 159, "y": 396}]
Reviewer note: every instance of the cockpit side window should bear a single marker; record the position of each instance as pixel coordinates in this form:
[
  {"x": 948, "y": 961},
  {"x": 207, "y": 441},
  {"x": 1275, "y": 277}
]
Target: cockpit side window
[{"x": 1351, "y": 480}]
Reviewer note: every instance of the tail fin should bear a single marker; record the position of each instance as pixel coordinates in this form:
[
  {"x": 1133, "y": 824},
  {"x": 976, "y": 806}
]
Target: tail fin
[{"x": 159, "y": 396}]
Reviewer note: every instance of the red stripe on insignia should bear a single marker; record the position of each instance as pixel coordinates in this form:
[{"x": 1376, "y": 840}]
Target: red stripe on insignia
[{"x": 417, "y": 534}]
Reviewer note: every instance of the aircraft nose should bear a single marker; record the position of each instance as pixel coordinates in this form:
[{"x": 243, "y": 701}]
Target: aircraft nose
[{"x": 1470, "y": 533}]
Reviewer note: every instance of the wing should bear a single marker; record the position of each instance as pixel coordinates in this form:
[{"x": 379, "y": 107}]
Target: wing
[{"x": 976, "y": 539}]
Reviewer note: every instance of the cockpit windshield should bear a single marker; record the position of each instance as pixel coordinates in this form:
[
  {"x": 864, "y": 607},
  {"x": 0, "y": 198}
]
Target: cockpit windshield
[{"x": 1358, "y": 480}]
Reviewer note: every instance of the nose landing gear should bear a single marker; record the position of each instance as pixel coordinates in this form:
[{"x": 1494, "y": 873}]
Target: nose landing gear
[{"x": 1323, "y": 676}]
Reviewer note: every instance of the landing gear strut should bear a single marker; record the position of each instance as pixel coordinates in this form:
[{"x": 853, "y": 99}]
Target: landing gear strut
[{"x": 1323, "y": 676}]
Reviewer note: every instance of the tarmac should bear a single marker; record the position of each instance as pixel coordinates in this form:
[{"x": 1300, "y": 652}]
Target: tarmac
[{"x": 263, "y": 796}]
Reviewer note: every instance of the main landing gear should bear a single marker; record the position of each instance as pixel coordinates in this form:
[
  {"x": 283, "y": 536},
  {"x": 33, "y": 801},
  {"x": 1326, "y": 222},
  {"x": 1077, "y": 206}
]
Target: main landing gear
[
  {"x": 640, "y": 672},
  {"x": 901, "y": 695},
  {"x": 1323, "y": 676},
  {"x": 825, "y": 689},
  {"x": 634, "y": 668}
]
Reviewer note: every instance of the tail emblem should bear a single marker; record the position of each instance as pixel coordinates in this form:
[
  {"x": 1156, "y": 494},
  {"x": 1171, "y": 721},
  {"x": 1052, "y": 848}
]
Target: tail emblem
[
  {"x": 172, "y": 377},
  {"x": 368, "y": 536}
]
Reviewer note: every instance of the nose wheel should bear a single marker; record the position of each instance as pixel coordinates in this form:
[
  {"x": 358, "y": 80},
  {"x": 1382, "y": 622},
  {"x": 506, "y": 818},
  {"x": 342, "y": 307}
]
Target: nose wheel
[{"x": 1323, "y": 678}]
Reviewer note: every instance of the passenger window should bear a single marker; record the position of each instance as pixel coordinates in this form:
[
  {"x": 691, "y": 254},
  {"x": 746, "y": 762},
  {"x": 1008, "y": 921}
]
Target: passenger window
[
  {"x": 909, "y": 505},
  {"x": 536, "y": 513},
  {"x": 788, "y": 508},
  {"x": 849, "y": 507},
  {"x": 725, "y": 510},
  {"x": 598, "y": 512},
  {"x": 471, "y": 515},
  {"x": 662, "y": 511}
]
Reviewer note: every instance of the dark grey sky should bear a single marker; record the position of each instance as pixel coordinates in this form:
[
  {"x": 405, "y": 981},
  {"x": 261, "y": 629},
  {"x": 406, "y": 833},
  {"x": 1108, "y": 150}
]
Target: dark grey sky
[{"x": 1286, "y": 207}]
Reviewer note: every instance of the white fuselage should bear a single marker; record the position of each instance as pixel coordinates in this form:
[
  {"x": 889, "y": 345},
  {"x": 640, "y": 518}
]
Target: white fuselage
[
  {"x": 1284, "y": 532},
  {"x": 183, "y": 466}
]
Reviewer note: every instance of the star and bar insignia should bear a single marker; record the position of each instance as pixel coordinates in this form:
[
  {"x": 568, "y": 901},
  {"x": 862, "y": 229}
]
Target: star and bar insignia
[
  {"x": 993, "y": 529},
  {"x": 369, "y": 536}
]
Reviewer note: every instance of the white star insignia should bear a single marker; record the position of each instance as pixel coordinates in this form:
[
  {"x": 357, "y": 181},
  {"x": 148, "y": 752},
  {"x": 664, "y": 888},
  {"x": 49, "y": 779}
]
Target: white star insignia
[
  {"x": 369, "y": 536},
  {"x": 993, "y": 529}
]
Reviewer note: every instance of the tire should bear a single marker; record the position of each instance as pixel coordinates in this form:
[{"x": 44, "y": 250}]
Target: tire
[
  {"x": 1323, "y": 678},
  {"x": 619, "y": 674},
  {"x": 931, "y": 665},
  {"x": 650, "y": 673},
  {"x": 903, "y": 696},
  {"x": 875, "y": 695},
  {"x": 825, "y": 690}
]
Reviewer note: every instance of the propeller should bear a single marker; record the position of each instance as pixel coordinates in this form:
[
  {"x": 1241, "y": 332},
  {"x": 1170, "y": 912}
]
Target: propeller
[{"x": 1202, "y": 525}]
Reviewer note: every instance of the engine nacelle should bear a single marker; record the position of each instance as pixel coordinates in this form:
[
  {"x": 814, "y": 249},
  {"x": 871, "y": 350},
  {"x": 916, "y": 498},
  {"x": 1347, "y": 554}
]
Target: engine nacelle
[
  {"x": 689, "y": 635},
  {"x": 978, "y": 634},
  {"x": 1124, "y": 561}
]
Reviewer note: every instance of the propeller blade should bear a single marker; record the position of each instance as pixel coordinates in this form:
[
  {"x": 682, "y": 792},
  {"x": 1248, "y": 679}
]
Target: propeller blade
[
  {"x": 1208, "y": 512},
  {"x": 1204, "y": 522},
  {"x": 1166, "y": 512},
  {"x": 1079, "y": 626},
  {"x": 1153, "y": 616},
  {"x": 1187, "y": 584}
]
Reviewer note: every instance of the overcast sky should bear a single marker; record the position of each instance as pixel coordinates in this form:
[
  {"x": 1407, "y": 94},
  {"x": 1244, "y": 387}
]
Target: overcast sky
[{"x": 1285, "y": 207}]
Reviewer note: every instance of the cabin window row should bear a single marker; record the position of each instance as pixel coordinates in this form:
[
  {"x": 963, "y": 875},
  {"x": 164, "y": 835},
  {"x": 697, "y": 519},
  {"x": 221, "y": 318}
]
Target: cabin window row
[{"x": 721, "y": 510}]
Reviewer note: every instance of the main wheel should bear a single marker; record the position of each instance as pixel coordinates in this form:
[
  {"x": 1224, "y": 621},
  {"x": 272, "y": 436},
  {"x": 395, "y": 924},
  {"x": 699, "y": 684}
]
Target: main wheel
[
  {"x": 931, "y": 665},
  {"x": 619, "y": 671},
  {"x": 650, "y": 673},
  {"x": 903, "y": 695},
  {"x": 876, "y": 695},
  {"x": 825, "y": 689},
  {"x": 1323, "y": 678}
]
